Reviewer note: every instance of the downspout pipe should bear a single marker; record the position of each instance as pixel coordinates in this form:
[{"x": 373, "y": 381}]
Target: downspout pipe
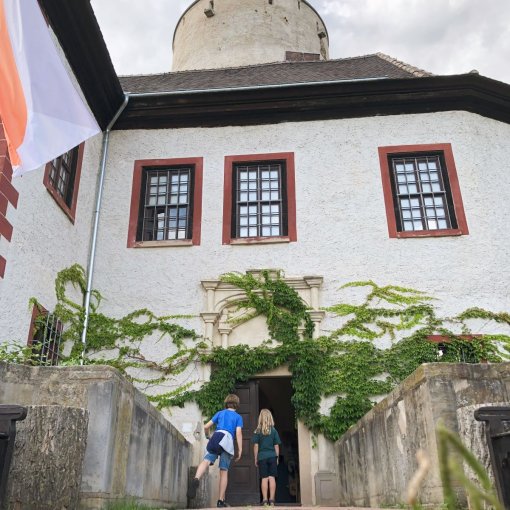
[{"x": 93, "y": 243}]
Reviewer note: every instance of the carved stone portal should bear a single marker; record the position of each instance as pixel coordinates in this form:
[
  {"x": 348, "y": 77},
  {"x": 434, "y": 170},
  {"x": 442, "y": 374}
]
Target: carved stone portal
[{"x": 225, "y": 325}]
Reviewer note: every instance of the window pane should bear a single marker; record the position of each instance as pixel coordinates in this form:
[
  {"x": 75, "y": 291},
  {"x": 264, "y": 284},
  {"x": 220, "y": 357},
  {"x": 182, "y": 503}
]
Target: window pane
[
  {"x": 262, "y": 197},
  {"x": 169, "y": 198},
  {"x": 429, "y": 199}
]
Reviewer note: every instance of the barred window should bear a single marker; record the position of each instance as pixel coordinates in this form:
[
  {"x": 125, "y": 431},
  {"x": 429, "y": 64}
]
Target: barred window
[
  {"x": 259, "y": 200},
  {"x": 45, "y": 337},
  {"x": 166, "y": 210},
  {"x": 421, "y": 191}
]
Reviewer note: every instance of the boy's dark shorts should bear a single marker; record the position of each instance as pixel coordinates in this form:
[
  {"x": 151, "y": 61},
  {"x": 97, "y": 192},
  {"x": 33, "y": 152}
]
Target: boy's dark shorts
[{"x": 268, "y": 467}]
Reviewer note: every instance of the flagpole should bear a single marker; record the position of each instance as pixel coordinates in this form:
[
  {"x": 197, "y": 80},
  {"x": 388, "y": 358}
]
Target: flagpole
[{"x": 93, "y": 244}]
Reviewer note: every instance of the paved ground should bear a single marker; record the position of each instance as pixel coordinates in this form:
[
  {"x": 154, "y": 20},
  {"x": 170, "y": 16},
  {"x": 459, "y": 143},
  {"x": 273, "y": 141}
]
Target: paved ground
[{"x": 299, "y": 508}]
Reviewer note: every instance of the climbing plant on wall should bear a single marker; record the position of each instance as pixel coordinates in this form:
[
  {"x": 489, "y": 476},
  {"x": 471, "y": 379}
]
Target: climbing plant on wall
[
  {"x": 347, "y": 367},
  {"x": 346, "y": 364}
]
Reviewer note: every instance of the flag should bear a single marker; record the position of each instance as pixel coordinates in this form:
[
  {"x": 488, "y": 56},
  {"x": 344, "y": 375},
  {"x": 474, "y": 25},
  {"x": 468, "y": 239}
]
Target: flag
[{"x": 43, "y": 114}]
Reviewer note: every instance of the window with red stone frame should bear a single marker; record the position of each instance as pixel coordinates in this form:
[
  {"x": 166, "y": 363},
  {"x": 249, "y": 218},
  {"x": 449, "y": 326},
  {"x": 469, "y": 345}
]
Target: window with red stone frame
[
  {"x": 466, "y": 354},
  {"x": 62, "y": 180},
  {"x": 259, "y": 202},
  {"x": 421, "y": 191},
  {"x": 166, "y": 203}
]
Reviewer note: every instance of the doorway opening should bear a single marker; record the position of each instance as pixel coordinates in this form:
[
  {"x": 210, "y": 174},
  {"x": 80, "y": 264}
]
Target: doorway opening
[{"x": 275, "y": 394}]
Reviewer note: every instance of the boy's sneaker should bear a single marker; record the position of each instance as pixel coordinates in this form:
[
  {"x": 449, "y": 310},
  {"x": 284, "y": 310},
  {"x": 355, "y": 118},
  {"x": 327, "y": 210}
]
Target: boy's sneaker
[
  {"x": 221, "y": 503},
  {"x": 192, "y": 488}
]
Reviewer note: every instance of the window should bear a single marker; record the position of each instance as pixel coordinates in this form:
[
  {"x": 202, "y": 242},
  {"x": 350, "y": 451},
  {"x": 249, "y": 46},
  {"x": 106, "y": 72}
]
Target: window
[
  {"x": 166, "y": 203},
  {"x": 45, "y": 337},
  {"x": 62, "y": 180},
  {"x": 456, "y": 352},
  {"x": 421, "y": 191},
  {"x": 259, "y": 201}
]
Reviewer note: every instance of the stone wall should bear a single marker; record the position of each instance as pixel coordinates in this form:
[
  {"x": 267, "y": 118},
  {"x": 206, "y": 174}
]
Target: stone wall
[
  {"x": 47, "y": 462},
  {"x": 132, "y": 450},
  {"x": 246, "y": 33},
  {"x": 376, "y": 457}
]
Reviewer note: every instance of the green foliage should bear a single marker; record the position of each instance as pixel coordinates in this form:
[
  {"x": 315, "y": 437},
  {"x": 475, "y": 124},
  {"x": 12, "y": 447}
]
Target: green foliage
[
  {"x": 481, "y": 495},
  {"x": 12, "y": 352},
  {"x": 127, "y": 505},
  {"x": 347, "y": 366},
  {"x": 117, "y": 342}
]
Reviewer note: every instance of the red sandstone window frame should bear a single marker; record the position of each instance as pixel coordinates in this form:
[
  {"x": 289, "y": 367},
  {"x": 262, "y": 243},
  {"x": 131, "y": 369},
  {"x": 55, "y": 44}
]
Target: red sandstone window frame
[
  {"x": 198, "y": 165},
  {"x": 70, "y": 211},
  {"x": 385, "y": 153},
  {"x": 290, "y": 188}
]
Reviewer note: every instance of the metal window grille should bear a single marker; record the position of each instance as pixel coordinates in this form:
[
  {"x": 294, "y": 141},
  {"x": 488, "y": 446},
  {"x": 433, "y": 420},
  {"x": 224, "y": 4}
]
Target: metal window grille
[
  {"x": 167, "y": 212},
  {"x": 47, "y": 340},
  {"x": 421, "y": 193},
  {"x": 259, "y": 200},
  {"x": 62, "y": 174}
]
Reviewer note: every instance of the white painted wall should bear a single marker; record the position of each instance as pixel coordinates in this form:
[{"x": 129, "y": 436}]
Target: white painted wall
[
  {"x": 245, "y": 33},
  {"x": 44, "y": 241},
  {"x": 341, "y": 222},
  {"x": 341, "y": 219}
]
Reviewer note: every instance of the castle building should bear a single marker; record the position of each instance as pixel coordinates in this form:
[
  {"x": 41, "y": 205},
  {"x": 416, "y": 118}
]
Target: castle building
[{"x": 259, "y": 151}]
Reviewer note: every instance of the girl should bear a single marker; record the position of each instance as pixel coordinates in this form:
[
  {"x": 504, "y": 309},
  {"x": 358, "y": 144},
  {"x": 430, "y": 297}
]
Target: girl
[{"x": 266, "y": 449}]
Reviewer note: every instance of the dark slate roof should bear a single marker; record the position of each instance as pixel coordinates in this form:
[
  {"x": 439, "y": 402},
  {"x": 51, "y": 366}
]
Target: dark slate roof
[{"x": 368, "y": 66}]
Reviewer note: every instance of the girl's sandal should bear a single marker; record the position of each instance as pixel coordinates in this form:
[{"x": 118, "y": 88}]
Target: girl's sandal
[
  {"x": 271, "y": 502},
  {"x": 265, "y": 502}
]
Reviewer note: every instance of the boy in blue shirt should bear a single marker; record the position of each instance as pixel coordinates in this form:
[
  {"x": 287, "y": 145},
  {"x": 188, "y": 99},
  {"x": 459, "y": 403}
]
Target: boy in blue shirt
[{"x": 229, "y": 424}]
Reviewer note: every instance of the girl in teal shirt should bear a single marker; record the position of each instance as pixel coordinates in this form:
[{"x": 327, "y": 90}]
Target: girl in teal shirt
[{"x": 266, "y": 448}]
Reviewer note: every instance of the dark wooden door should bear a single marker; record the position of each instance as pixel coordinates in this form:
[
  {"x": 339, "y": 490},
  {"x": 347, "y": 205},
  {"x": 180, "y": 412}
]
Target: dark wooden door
[{"x": 243, "y": 483}]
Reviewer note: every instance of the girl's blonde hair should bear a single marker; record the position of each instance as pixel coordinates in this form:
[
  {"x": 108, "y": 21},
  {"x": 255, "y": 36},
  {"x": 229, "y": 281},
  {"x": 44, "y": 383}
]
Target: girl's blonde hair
[{"x": 265, "y": 422}]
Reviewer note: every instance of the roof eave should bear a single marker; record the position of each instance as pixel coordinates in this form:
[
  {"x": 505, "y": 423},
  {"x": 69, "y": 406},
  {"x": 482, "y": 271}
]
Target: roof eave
[{"x": 323, "y": 100}]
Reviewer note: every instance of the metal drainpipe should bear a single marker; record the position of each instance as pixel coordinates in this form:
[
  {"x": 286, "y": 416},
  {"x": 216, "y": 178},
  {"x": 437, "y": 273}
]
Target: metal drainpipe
[{"x": 93, "y": 244}]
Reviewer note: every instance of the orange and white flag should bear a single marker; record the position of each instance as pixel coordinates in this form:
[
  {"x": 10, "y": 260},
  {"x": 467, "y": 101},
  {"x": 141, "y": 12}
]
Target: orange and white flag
[{"x": 43, "y": 114}]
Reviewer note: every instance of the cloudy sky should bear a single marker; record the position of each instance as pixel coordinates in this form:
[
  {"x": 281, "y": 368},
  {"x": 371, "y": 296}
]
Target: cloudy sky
[{"x": 441, "y": 36}]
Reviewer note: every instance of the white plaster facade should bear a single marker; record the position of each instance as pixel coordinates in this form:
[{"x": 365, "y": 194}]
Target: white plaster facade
[
  {"x": 341, "y": 229},
  {"x": 245, "y": 33},
  {"x": 44, "y": 241}
]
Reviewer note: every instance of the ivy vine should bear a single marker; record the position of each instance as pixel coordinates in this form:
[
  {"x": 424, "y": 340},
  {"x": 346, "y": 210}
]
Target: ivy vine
[{"x": 346, "y": 366}]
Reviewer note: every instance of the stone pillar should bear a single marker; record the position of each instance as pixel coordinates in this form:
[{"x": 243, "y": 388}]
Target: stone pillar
[
  {"x": 46, "y": 468},
  {"x": 209, "y": 319},
  {"x": 224, "y": 329},
  {"x": 210, "y": 286}
]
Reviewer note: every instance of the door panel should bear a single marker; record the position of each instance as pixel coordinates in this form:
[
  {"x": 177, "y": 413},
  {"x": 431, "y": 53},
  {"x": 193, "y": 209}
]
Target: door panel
[{"x": 243, "y": 483}]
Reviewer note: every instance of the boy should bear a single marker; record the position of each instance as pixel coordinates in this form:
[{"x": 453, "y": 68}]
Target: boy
[{"x": 221, "y": 444}]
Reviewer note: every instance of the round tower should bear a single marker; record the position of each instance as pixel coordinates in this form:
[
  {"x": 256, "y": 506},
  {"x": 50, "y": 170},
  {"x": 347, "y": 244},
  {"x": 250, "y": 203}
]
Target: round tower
[{"x": 229, "y": 33}]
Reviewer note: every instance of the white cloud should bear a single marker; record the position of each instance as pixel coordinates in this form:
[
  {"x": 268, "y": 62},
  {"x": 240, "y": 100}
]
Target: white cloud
[{"x": 441, "y": 36}]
